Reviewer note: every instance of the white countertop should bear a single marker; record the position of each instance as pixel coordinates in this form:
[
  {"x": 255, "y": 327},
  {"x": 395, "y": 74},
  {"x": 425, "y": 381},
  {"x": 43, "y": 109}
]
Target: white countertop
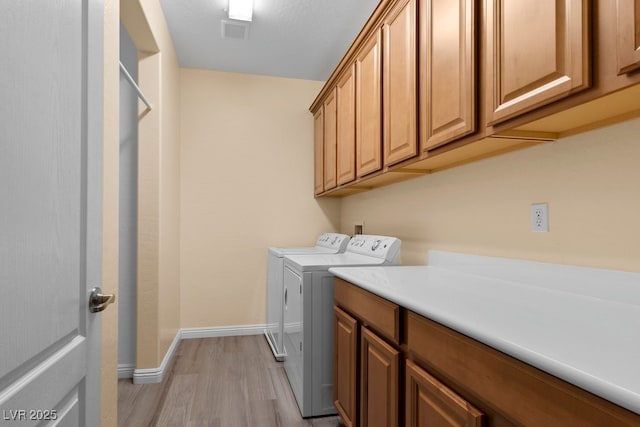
[{"x": 587, "y": 340}]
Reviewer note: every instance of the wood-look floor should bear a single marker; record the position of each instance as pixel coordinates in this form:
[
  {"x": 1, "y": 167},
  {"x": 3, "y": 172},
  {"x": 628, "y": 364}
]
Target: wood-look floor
[{"x": 222, "y": 382}]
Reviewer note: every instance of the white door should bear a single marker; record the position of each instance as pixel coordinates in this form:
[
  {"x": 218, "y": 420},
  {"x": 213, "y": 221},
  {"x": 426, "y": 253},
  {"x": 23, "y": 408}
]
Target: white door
[{"x": 50, "y": 210}]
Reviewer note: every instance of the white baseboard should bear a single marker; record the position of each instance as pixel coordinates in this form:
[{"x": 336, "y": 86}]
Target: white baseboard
[
  {"x": 125, "y": 370},
  {"x": 222, "y": 331},
  {"x": 155, "y": 375}
]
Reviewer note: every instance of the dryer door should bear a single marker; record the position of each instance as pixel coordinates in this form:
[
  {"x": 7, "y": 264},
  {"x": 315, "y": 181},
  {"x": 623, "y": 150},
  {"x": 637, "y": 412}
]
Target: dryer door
[
  {"x": 275, "y": 299},
  {"x": 293, "y": 330}
]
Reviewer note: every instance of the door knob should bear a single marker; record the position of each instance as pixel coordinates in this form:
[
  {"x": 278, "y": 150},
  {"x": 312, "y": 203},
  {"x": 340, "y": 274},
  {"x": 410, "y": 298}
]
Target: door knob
[{"x": 99, "y": 301}]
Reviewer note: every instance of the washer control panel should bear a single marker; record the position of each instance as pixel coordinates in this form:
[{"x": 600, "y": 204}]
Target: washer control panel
[
  {"x": 334, "y": 241},
  {"x": 383, "y": 247}
]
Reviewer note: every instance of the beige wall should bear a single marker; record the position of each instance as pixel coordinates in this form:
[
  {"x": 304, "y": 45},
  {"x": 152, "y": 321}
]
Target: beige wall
[
  {"x": 246, "y": 184},
  {"x": 169, "y": 202},
  {"x": 590, "y": 181},
  {"x": 111, "y": 158},
  {"x": 158, "y": 310}
]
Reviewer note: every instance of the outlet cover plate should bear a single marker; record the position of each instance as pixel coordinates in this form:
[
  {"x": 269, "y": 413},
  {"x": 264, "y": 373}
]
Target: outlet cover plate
[{"x": 539, "y": 218}]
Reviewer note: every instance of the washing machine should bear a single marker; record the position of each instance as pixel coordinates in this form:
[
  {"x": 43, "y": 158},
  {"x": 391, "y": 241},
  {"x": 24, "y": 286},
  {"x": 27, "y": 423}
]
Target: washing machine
[
  {"x": 308, "y": 316},
  {"x": 327, "y": 243}
]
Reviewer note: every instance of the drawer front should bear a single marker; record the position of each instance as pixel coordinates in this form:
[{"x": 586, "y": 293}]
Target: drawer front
[{"x": 377, "y": 313}]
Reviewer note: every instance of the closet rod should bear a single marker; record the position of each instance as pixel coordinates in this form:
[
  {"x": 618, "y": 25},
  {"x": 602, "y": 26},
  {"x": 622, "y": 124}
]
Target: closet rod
[{"x": 135, "y": 86}]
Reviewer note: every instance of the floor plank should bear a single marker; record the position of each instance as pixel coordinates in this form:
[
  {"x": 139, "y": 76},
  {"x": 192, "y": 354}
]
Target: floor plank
[{"x": 220, "y": 382}]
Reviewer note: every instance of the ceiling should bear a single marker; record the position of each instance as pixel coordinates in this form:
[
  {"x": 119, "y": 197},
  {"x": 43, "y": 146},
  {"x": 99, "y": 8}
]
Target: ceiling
[{"x": 303, "y": 39}]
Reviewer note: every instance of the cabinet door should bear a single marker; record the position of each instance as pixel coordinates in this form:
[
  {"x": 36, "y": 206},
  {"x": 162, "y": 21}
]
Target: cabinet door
[
  {"x": 318, "y": 150},
  {"x": 537, "y": 51},
  {"x": 447, "y": 70},
  {"x": 345, "y": 391},
  {"x": 330, "y": 139},
  {"x": 399, "y": 83},
  {"x": 429, "y": 403},
  {"x": 380, "y": 374},
  {"x": 628, "y": 35},
  {"x": 369, "y": 107},
  {"x": 346, "y": 127}
]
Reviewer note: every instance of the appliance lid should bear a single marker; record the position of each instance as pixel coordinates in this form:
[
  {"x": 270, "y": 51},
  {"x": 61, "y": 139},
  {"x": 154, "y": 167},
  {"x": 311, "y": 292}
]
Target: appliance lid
[
  {"x": 322, "y": 262},
  {"x": 282, "y": 251}
]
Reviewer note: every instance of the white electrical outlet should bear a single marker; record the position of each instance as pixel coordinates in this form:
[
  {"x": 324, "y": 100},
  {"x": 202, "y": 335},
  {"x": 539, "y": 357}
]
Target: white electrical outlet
[{"x": 539, "y": 218}]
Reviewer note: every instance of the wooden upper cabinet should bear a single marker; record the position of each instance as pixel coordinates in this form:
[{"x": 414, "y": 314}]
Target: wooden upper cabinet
[
  {"x": 399, "y": 83},
  {"x": 429, "y": 403},
  {"x": 345, "y": 382},
  {"x": 628, "y": 35},
  {"x": 318, "y": 150},
  {"x": 380, "y": 371},
  {"x": 447, "y": 70},
  {"x": 330, "y": 140},
  {"x": 537, "y": 51},
  {"x": 346, "y": 126},
  {"x": 369, "y": 106}
]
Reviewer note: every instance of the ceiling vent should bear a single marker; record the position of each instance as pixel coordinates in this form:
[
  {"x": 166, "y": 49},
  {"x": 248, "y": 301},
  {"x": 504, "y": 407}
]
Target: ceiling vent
[{"x": 235, "y": 30}]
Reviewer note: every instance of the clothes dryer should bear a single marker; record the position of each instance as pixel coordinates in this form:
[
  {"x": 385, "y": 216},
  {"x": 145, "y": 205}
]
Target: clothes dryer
[
  {"x": 327, "y": 243},
  {"x": 308, "y": 316}
]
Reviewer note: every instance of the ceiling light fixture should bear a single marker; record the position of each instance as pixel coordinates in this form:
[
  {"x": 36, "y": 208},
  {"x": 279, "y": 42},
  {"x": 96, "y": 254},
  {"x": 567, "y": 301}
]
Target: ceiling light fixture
[{"x": 241, "y": 10}]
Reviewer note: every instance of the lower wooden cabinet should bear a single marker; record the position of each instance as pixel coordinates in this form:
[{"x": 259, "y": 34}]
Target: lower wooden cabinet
[
  {"x": 367, "y": 359},
  {"x": 345, "y": 363},
  {"x": 380, "y": 375},
  {"x": 429, "y": 403},
  {"x": 394, "y": 367}
]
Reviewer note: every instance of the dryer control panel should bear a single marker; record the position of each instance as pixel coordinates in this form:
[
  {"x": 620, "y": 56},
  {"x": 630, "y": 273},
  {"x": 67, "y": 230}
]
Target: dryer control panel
[
  {"x": 383, "y": 247},
  {"x": 333, "y": 240}
]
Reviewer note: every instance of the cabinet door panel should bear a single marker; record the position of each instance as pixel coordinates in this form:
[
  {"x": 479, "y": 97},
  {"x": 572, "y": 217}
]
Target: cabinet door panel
[
  {"x": 432, "y": 404},
  {"x": 380, "y": 374},
  {"x": 537, "y": 52},
  {"x": 399, "y": 83},
  {"x": 369, "y": 107},
  {"x": 447, "y": 70},
  {"x": 628, "y": 35},
  {"x": 318, "y": 150},
  {"x": 346, "y": 127},
  {"x": 345, "y": 391},
  {"x": 330, "y": 139}
]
